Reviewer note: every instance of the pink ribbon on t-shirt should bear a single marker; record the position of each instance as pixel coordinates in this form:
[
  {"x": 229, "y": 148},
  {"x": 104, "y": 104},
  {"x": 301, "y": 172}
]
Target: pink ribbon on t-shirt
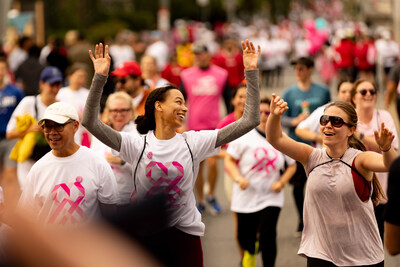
[
  {"x": 74, "y": 204},
  {"x": 172, "y": 185},
  {"x": 263, "y": 160}
]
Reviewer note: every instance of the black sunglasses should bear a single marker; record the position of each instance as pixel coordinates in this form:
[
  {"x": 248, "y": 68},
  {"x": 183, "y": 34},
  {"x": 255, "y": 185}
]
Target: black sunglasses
[
  {"x": 336, "y": 122},
  {"x": 46, "y": 127},
  {"x": 363, "y": 92}
]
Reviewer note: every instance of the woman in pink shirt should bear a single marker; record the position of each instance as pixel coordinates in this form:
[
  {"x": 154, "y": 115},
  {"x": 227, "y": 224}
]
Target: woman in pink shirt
[{"x": 339, "y": 223}]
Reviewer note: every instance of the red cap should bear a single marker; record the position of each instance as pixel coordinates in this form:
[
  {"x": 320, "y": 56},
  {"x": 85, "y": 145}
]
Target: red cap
[{"x": 127, "y": 68}]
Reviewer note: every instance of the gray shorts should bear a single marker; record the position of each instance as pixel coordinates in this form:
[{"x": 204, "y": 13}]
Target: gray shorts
[{"x": 5, "y": 148}]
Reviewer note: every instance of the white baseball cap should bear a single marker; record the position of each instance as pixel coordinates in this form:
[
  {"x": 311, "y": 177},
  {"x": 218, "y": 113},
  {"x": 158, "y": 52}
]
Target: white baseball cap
[{"x": 60, "y": 112}]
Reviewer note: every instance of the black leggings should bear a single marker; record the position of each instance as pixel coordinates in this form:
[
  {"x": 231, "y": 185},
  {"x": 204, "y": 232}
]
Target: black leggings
[
  {"x": 264, "y": 222},
  {"x": 314, "y": 262},
  {"x": 299, "y": 181}
]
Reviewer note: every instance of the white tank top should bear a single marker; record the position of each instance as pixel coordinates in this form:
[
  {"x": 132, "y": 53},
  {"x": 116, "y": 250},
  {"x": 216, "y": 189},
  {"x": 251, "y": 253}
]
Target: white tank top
[{"x": 338, "y": 226}]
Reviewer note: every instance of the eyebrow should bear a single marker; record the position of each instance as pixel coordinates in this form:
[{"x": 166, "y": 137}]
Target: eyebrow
[{"x": 180, "y": 98}]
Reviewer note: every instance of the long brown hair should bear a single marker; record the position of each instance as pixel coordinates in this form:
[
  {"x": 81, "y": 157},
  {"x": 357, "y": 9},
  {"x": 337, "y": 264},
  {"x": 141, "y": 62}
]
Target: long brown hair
[{"x": 354, "y": 142}]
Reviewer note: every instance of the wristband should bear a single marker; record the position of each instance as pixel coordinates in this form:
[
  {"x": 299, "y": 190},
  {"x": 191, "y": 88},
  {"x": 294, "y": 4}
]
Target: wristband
[{"x": 381, "y": 149}]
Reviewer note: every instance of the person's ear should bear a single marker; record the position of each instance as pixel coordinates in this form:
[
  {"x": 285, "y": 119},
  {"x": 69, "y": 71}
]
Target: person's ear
[
  {"x": 352, "y": 131},
  {"x": 158, "y": 106}
]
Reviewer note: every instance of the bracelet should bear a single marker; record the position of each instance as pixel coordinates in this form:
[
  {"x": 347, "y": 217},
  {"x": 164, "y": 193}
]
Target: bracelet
[{"x": 381, "y": 149}]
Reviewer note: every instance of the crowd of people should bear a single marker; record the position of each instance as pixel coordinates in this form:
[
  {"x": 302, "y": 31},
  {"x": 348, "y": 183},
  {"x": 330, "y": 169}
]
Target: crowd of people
[{"x": 149, "y": 124}]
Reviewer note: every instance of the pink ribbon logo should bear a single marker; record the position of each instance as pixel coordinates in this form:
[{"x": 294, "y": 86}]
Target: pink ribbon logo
[
  {"x": 62, "y": 195},
  {"x": 265, "y": 159},
  {"x": 158, "y": 174}
]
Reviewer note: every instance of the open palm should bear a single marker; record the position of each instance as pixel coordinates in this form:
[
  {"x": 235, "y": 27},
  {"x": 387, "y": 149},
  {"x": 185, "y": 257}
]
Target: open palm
[
  {"x": 101, "y": 60},
  {"x": 250, "y": 55}
]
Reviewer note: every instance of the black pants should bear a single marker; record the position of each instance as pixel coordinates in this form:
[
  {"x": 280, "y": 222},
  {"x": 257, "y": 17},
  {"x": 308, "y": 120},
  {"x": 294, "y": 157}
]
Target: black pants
[
  {"x": 313, "y": 262},
  {"x": 264, "y": 222},
  {"x": 299, "y": 181},
  {"x": 379, "y": 210}
]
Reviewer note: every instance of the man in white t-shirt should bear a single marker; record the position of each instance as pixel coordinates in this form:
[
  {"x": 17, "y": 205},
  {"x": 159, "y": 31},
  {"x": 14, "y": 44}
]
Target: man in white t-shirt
[{"x": 70, "y": 184}]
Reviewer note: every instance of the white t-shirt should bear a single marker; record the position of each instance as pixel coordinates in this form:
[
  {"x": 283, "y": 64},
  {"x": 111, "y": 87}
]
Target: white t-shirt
[
  {"x": 123, "y": 174},
  {"x": 67, "y": 190},
  {"x": 167, "y": 165},
  {"x": 26, "y": 106},
  {"x": 77, "y": 98},
  {"x": 260, "y": 163}
]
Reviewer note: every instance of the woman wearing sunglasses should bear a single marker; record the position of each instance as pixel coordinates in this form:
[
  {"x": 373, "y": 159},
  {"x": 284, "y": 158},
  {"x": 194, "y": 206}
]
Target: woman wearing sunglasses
[
  {"x": 363, "y": 96},
  {"x": 339, "y": 223},
  {"x": 163, "y": 160},
  {"x": 257, "y": 196}
]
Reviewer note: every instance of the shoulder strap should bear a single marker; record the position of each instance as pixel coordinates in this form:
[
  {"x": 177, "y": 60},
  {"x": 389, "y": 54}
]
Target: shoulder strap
[
  {"x": 36, "y": 108},
  {"x": 137, "y": 164},
  {"x": 191, "y": 154}
]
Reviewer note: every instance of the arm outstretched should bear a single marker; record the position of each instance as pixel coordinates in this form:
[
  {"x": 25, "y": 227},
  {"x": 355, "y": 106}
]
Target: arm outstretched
[
  {"x": 90, "y": 118},
  {"x": 273, "y": 131},
  {"x": 251, "y": 115}
]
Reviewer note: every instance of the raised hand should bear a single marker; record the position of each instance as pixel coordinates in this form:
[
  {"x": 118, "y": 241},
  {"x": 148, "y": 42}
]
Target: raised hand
[
  {"x": 250, "y": 55},
  {"x": 101, "y": 61},
  {"x": 278, "y": 105},
  {"x": 384, "y": 138}
]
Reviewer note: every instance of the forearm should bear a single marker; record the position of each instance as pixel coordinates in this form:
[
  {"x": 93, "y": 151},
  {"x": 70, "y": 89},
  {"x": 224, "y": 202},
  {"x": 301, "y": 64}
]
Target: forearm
[
  {"x": 251, "y": 115},
  {"x": 15, "y": 134},
  {"x": 273, "y": 130},
  {"x": 231, "y": 168},
  {"x": 306, "y": 134},
  {"x": 288, "y": 174},
  {"x": 389, "y": 157},
  {"x": 391, "y": 87},
  {"x": 90, "y": 119}
]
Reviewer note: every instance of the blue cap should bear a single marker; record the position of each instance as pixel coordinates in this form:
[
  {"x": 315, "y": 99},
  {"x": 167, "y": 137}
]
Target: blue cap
[{"x": 51, "y": 75}]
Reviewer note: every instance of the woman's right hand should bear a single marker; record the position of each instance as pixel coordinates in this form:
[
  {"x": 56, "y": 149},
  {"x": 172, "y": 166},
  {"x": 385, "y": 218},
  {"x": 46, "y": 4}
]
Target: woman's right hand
[
  {"x": 101, "y": 61},
  {"x": 243, "y": 183},
  {"x": 278, "y": 105}
]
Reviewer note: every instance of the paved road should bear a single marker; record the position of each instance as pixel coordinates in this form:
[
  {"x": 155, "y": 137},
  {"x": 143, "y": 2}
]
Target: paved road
[{"x": 219, "y": 244}]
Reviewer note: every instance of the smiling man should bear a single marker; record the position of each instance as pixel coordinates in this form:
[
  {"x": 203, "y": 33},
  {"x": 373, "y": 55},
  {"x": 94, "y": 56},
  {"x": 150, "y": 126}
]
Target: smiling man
[{"x": 70, "y": 184}]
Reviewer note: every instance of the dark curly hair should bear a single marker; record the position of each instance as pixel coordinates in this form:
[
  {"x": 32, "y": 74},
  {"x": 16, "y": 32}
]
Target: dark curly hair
[{"x": 147, "y": 121}]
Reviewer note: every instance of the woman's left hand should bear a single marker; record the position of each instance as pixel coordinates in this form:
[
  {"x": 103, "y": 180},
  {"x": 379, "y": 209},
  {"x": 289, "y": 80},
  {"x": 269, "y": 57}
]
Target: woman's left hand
[
  {"x": 101, "y": 59},
  {"x": 277, "y": 186},
  {"x": 250, "y": 55},
  {"x": 384, "y": 138}
]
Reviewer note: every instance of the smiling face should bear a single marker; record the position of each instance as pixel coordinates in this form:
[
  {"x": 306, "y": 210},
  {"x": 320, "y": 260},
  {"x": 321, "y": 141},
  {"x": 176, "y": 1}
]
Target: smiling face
[
  {"x": 61, "y": 142},
  {"x": 173, "y": 109},
  {"x": 344, "y": 92},
  {"x": 239, "y": 99},
  {"x": 120, "y": 113},
  {"x": 336, "y": 135},
  {"x": 366, "y": 101}
]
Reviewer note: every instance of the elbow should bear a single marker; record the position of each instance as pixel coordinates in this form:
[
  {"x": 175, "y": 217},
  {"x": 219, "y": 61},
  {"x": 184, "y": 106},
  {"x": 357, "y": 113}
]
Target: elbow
[{"x": 393, "y": 251}]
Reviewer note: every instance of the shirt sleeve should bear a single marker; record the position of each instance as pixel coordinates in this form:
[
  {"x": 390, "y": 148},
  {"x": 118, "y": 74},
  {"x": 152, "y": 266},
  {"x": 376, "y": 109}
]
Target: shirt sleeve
[
  {"x": 131, "y": 147},
  {"x": 235, "y": 149},
  {"x": 202, "y": 143},
  {"x": 108, "y": 192}
]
